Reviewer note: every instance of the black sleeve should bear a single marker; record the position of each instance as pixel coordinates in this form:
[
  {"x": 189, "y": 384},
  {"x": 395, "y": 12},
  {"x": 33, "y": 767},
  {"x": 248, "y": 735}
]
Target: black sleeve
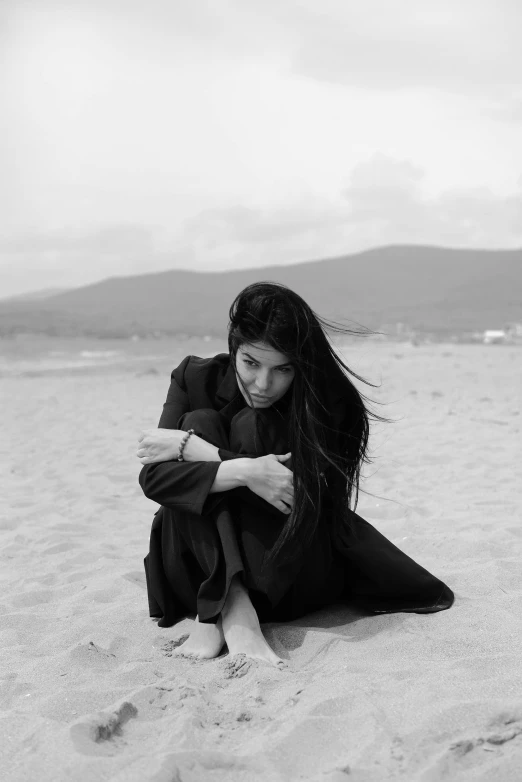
[
  {"x": 183, "y": 485},
  {"x": 186, "y": 485},
  {"x": 177, "y": 402}
]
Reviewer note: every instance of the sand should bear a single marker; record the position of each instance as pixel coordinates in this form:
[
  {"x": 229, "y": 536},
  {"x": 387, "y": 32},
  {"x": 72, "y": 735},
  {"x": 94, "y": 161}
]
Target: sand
[{"x": 89, "y": 688}]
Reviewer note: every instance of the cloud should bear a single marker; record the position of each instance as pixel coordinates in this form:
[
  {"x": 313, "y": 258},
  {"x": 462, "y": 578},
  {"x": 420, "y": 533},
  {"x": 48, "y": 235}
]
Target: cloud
[
  {"x": 33, "y": 260},
  {"x": 99, "y": 241},
  {"x": 190, "y": 135},
  {"x": 468, "y": 47},
  {"x": 472, "y": 46},
  {"x": 509, "y": 110},
  {"x": 262, "y": 227},
  {"x": 384, "y": 187},
  {"x": 387, "y": 203}
]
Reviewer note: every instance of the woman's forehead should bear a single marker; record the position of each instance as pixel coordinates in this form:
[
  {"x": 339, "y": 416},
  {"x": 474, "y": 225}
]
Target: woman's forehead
[{"x": 264, "y": 353}]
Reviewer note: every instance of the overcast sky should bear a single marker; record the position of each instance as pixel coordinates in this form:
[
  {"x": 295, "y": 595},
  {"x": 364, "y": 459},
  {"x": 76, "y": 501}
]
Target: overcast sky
[{"x": 141, "y": 135}]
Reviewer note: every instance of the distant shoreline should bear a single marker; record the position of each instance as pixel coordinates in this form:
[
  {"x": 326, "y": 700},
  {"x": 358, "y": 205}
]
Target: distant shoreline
[{"x": 39, "y": 355}]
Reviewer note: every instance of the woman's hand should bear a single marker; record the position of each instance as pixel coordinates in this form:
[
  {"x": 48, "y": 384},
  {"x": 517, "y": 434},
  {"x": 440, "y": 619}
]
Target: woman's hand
[
  {"x": 162, "y": 445},
  {"x": 159, "y": 445},
  {"x": 270, "y": 479}
]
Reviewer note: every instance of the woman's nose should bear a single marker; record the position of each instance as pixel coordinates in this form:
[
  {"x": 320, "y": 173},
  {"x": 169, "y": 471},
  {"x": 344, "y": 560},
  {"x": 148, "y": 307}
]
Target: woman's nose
[{"x": 263, "y": 381}]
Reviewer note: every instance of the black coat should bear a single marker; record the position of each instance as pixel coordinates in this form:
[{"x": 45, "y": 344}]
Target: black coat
[
  {"x": 358, "y": 564},
  {"x": 195, "y": 384}
]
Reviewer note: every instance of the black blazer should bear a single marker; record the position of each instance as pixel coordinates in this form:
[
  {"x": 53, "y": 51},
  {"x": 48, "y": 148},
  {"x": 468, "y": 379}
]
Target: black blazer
[{"x": 196, "y": 384}]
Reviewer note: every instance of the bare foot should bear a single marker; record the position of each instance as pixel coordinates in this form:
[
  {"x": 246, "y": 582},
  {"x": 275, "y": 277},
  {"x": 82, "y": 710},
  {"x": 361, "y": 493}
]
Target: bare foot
[
  {"x": 242, "y": 629},
  {"x": 204, "y": 642}
]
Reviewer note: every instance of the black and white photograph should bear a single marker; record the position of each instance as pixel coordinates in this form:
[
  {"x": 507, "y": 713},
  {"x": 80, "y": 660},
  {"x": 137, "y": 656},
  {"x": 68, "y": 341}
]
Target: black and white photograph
[{"x": 260, "y": 390}]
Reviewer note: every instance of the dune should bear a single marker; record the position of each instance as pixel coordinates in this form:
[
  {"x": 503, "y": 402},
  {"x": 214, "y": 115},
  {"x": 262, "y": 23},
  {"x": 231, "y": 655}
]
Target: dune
[{"x": 90, "y": 689}]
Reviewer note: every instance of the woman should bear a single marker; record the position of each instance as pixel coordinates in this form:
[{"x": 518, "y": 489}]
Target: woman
[{"x": 255, "y": 463}]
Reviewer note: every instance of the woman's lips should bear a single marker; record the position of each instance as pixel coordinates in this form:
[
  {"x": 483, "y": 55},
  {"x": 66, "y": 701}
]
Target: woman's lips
[{"x": 258, "y": 396}]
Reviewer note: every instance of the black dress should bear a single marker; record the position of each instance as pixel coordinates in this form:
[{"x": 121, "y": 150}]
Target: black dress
[{"x": 200, "y": 541}]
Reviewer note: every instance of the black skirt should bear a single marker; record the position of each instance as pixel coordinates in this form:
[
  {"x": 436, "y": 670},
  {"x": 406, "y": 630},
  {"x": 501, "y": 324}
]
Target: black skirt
[{"x": 193, "y": 557}]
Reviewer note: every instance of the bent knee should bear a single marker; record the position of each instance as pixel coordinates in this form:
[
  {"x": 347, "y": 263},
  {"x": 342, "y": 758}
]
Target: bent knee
[
  {"x": 258, "y": 432},
  {"x": 244, "y": 437}
]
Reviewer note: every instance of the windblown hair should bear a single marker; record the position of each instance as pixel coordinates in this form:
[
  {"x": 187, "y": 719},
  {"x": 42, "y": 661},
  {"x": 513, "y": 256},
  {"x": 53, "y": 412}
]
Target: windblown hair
[{"x": 272, "y": 313}]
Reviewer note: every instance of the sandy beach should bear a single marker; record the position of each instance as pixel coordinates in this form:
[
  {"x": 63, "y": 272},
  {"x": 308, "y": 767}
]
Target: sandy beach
[{"x": 89, "y": 688}]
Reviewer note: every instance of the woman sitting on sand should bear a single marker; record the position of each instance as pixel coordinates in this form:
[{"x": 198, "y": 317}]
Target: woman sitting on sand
[{"x": 255, "y": 463}]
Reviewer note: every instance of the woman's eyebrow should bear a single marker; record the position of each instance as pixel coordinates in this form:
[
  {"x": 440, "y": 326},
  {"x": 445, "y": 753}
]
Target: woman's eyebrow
[{"x": 287, "y": 364}]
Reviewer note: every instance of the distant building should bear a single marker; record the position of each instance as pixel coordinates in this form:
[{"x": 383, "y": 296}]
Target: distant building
[
  {"x": 494, "y": 336},
  {"x": 513, "y": 330}
]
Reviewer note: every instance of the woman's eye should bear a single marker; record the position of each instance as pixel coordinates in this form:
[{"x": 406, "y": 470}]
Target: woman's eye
[
  {"x": 285, "y": 370},
  {"x": 249, "y": 363}
]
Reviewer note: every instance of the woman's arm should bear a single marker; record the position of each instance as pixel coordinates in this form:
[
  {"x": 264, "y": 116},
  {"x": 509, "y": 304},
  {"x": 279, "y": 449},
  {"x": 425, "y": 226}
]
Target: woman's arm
[
  {"x": 162, "y": 445},
  {"x": 259, "y": 480},
  {"x": 266, "y": 478},
  {"x": 181, "y": 485},
  {"x": 174, "y": 484},
  {"x": 188, "y": 484},
  {"x": 230, "y": 475}
]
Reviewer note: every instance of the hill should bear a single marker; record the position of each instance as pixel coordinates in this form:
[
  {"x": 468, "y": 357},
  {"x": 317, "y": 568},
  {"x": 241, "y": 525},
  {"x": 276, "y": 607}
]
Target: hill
[
  {"x": 46, "y": 293},
  {"x": 429, "y": 289}
]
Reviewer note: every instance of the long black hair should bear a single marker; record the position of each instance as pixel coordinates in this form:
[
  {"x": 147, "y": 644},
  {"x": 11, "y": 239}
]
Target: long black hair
[{"x": 321, "y": 446}]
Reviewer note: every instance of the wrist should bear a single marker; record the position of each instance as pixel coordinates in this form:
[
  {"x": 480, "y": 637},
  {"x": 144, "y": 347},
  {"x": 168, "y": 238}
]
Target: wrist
[
  {"x": 199, "y": 450},
  {"x": 243, "y": 469},
  {"x": 183, "y": 444}
]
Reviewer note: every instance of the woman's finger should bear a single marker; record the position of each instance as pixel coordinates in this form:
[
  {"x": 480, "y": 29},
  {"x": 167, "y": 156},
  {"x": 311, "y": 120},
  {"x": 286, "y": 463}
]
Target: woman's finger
[{"x": 283, "y": 507}]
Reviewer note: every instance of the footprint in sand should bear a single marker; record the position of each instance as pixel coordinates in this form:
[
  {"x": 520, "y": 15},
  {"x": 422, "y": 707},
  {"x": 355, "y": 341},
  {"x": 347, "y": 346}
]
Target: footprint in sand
[
  {"x": 28, "y": 599},
  {"x": 238, "y": 666},
  {"x": 339, "y": 775},
  {"x": 11, "y": 690},
  {"x": 84, "y": 575},
  {"x": 195, "y": 765},
  {"x": 169, "y": 647},
  {"x": 59, "y": 548},
  {"x": 135, "y": 577},
  {"x": 99, "y": 734},
  {"x": 85, "y": 558},
  {"x": 501, "y": 730},
  {"x": 92, "y": 655}
]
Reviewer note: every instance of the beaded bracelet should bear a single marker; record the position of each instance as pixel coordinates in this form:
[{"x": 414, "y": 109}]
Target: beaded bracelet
[{"x": 183, "y": 444}]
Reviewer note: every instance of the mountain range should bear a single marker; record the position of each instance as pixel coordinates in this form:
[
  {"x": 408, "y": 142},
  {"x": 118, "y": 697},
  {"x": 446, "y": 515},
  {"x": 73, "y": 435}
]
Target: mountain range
[{"x": 427, "y": 289}]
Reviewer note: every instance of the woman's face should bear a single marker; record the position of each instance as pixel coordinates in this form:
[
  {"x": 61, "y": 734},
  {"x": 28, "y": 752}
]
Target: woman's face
[{"x": 266, "y": 373}]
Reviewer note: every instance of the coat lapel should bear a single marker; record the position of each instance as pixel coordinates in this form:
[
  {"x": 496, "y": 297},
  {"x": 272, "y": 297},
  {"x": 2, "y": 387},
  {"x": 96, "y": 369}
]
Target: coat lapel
[
  {"x": 228, "y": 388},
  {"x": 228, "y": 394}
]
